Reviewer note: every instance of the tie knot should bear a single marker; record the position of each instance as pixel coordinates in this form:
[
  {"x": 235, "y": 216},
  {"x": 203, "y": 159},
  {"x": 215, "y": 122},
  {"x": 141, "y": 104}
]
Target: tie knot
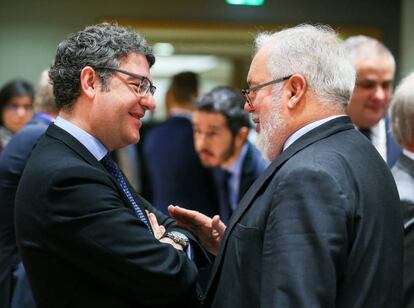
[{"x": 109, "y": 164}]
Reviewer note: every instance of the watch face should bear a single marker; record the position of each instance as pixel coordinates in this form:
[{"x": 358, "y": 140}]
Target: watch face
[{"x": 178, "y": 237}]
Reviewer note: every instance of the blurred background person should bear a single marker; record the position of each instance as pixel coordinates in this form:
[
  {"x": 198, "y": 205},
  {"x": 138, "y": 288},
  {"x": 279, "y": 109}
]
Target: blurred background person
[
  {"x": 402, "y": 117},
  {"x": 175, "y": 173},
  {"x": 16, "y": 100},
  {"x": 15, "y": 290},
  {"x": 368, "y": 107},
  {"x": 220, "y": 129}
]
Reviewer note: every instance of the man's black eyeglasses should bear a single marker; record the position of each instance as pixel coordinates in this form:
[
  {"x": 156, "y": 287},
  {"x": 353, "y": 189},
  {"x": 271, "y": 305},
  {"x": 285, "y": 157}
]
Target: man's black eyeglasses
[
  {"x": 145, "y": 85},
  {"x": 246, "y": 92}
]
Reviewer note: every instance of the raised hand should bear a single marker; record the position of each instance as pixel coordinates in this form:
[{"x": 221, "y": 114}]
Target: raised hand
[{"x": 209, "y": 231}]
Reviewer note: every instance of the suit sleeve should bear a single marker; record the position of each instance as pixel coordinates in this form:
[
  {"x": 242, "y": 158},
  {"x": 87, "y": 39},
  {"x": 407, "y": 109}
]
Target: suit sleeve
[
  {"x": 305, "y": 242},
  {"x": 89, "y": 226},
  {"x": 199, "y": 254}
]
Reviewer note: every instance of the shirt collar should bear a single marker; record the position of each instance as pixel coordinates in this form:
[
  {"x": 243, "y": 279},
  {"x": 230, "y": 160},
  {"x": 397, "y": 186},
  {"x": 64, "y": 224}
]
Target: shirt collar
[
  {"x": 90, "y": 142},
  {"x": 307, "y": 128}
]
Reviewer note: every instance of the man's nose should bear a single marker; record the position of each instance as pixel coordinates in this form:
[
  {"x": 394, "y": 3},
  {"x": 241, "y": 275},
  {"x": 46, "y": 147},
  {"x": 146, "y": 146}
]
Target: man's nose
[
  {"x": 21, "y": 111},
  {"x": 248, "y": 107},
  {"x": 380, "y": 93},
  {"x": 148, "y": 102}
]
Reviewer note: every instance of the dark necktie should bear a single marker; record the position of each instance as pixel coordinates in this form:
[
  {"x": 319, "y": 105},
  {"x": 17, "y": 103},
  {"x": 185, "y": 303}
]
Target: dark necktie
[
  {"x": 222, "y": 177},
  {"x": 114, "y": 170},
  {"x": 366, "y": 132}
]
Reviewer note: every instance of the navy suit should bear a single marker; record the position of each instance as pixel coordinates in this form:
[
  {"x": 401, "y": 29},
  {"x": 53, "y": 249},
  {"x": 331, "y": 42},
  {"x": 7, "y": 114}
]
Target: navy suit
[
  {"x": 14, "y": 289},
  {"x": 175, "y": 171},
  {"x": 253, "y": 164},
  {"x": 393, "y": 148}
]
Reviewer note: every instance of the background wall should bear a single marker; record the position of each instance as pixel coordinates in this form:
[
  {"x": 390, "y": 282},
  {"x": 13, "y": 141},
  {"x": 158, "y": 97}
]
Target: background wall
[
  {"x": 31, "y": 30},
  {"x": 406, "y": 36}
]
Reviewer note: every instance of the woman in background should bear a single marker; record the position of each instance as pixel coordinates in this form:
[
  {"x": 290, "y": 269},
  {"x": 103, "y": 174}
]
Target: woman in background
[{"x": 16, "y": 100}]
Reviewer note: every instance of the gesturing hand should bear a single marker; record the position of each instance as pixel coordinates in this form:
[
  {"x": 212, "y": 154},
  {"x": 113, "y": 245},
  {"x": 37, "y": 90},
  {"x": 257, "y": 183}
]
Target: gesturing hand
[{"x": 209, "y": 231}]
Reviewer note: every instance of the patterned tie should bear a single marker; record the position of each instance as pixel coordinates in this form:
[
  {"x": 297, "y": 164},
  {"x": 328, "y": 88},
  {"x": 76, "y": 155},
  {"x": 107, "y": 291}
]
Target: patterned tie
[{"x": 114, "y": 170}]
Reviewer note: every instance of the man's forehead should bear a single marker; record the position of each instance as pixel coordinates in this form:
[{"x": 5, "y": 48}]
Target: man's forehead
[
  {"x": 211, "y": 119},
  {"x": 258, "y": 67},
  {"x": 375, "y": 64}
]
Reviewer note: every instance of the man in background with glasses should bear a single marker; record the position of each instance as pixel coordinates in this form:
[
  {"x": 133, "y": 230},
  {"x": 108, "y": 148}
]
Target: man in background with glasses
[
  {"x": 86, "y": 238},
  {"x": 321, "y": 226}
]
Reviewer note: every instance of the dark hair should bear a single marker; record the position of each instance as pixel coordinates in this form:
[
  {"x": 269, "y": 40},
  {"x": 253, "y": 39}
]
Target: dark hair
[
  {"x": 18, "y": 87},
  {"x": 184, "y": 87},
  {"x": 102, "y": 45},
  {"x": 228, "y": 102}
]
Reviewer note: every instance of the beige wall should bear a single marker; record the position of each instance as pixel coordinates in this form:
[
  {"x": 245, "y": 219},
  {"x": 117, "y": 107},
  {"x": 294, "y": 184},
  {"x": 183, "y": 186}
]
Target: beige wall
[
  {"x": 30, "y": 30},
  {"x": 407, "y": 37}
]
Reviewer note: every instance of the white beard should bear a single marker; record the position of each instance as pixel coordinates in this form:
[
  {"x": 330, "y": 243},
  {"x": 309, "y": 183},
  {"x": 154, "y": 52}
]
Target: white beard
[{"x": 271, "y": 124}]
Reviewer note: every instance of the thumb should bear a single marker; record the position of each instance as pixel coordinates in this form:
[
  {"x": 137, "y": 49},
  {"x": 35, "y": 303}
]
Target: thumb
[{"x": 217, "y": 225}]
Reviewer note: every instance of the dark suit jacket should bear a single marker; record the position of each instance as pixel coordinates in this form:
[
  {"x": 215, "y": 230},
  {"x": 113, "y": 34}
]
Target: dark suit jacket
[
  {"x": 175, "y": 171},
  {"x": 82, "y": 243},
  {"x": 403, "y": 172},
  {"x": 253, "y": 165},
  {"x": 393, "y": 148},
  {"x": 321, "y": 227},
  {"x": 12, "y": 162}
]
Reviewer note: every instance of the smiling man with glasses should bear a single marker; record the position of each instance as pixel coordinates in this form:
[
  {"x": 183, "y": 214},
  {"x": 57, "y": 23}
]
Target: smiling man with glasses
[
  {"x": 86, "y": 238},
  {"x": 314, "y": 229}
]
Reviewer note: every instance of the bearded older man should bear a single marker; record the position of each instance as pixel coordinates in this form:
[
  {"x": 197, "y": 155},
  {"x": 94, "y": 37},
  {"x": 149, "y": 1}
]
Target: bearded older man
[{"x": 321, "y": 227}]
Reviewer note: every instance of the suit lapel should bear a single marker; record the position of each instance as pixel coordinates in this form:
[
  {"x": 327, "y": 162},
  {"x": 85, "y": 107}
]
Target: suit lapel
[
  {"x": 325, "y": 130},
  {"x": 60, "y": 134}
]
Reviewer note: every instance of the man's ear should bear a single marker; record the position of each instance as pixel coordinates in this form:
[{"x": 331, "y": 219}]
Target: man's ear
[
  {"x": 88, "y": 81},
  {"x": 297, "y": 87},
  {"x": 241, "y": 136}
]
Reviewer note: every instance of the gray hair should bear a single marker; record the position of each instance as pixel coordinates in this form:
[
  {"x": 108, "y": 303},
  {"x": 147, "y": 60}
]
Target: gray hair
[
  {"x": 361, "y": 47},
  {"x": 100, "y": 45},
  {"x": 316, "y": 53},
  {"x": 402, "y": 111},
  {"x": 44, "y": 99}
]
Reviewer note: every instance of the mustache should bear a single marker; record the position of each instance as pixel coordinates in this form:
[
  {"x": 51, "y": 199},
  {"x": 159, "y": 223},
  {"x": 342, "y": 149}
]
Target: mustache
[{"x": 205, "y": 151}]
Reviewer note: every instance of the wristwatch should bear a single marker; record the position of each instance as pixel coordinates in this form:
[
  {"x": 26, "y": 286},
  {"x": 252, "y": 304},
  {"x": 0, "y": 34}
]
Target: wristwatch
[{"x": 178, "y": 237}]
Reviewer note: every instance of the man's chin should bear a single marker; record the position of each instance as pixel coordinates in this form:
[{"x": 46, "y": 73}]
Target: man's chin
[{"x": 208, "y": 164}]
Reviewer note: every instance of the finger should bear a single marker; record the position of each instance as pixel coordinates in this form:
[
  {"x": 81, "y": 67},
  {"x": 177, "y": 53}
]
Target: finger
[
  {"x": 190, "y": 217},
  {"x": 148, "y": 215},
  {"x": 161, "y": 230},
  {"x": 218, "y": 226},
  {"x": 153, "y": 220}
]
